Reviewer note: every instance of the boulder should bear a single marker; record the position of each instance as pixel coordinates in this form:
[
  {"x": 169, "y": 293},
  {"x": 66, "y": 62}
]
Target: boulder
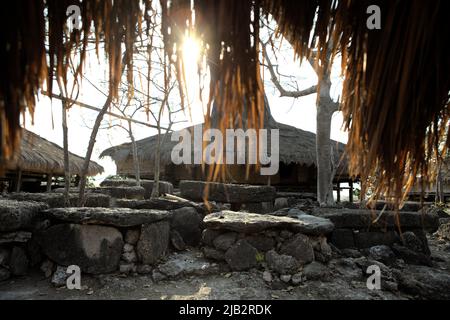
[
  {"x": 365, "y": 239},
  {"x": 164, "y": 186},
  {"x": 186, "y": 221},
  {"x": 242, "y": 222},
  {"x": 261, "y": 242},
  {"x": 56, "y": 199},
  {"x": 425, "y": 283},
  {"x": 411, "y": 256},
  {"x": 444, "y": 231},
  {"x": 122, "y": 192},
  {"x": 343, "y": 238},
  {"x": 316, "y": 271},
  {"x": 18, "y": 262},
  {"x": 225, "y": 241},
  {"x": 382, "y": 253},
  {"x": 15, "y": 215},
  {"x": 118, "y": 217},
  {"x": 300, "y": 248},
  {"x": 177, "y": 240},
  {"x": 15, "y": 237},
  {"x": 214, "y": 254},
  {"x": 132, "y": 236},
  {"x": 95, "y": 249},
  {"x": 4, "y": 274},
  {"x": 208, "y": 236},
  {"x": 281, "y": 263},
  {"x": 228, "y": 193},
  {"x": 241, "y": 256},
  {"x": 257, "y": 207},
  {"x": 281, "y": 203},
  {"x": 153, "y": 242},
  {"x": 4, "y": 257},
  {"x": 360, "y": 219},
  {"x": 59, "y": 278}
]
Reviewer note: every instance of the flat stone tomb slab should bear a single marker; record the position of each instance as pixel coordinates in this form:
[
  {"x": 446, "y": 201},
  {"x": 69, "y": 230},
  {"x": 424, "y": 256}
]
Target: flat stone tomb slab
[
  {"x": 119, "y": 217},
  {"x": 242, "y": 222}
]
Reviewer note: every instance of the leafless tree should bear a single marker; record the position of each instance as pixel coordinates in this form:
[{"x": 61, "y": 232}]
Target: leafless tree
[{"x": 326, "y": 107}]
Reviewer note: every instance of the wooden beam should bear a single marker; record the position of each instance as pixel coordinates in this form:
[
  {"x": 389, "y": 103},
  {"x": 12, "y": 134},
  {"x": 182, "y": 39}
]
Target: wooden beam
[
  {"x": 350, "y": 192},
  {"x": 87, "y": 106},
  {"x": 338, "y": 192},
  {"x": 19, "y": 180},
  {"x": 49, "y": 182}
]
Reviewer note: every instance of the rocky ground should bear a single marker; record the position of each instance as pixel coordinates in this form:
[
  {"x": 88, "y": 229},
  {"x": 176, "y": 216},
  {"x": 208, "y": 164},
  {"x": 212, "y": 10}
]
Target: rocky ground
[{"x": 195, "y": 278}]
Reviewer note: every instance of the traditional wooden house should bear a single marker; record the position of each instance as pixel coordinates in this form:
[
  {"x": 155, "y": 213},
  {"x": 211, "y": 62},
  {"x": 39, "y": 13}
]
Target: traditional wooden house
[
  {"x": 297, "y": 160},
  {"x": 38, "y": 162}
]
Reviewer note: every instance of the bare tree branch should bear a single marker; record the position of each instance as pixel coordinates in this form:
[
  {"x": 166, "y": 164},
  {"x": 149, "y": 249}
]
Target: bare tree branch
[{"x": 276, "y": 82}]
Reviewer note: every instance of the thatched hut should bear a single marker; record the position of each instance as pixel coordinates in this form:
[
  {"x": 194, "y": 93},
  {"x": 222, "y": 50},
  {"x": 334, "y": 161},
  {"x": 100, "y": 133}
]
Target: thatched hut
[
  {"x": 40, "y": 160},
  {"x": 297, "y": 159}
]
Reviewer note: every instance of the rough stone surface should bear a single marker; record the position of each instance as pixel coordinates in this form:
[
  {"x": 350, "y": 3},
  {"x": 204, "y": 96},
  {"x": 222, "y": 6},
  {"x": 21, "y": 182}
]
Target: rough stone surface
[
  {"x": 144, "y": 269},
  {"x": 187, "y": 264},
  {"x": 214, "y": 254},
  {"x": 122, "y": 192},
  {"x": 60, "y": 276},
  {"x": 15, "y": 237},
  {"x": 177, "y": 240},
  {"x": 424, "y": 282},
  {"x": 241, "y": 256},
  {"x": 316, "y": 271},
  {"x": 118, "y": 217},
  {"x": 47, "y": 268},
  {"x": 382, "y": 253},
  {"x": 164, "y": 186},
  {"x": 360, "y": 219},
  {"x": 281, "y": 263},
  {"x": 186, "y": 221},
  {"x": 267, "y": 276},
  {"x": 153, "y": 242},
  {"x": 286, "y": 278},
  {"x": 416, "y": 241},
  {"x": 4, "y": 274},
  {"x": 208, "y": 236},
  {"x": 242, "y": 222},
  {"x": 34, "y": 252},
  {"x": 411, "y": 256},
  {"x": 95, "y": 249},
  {"x": 260, "y": 242},
  {"x": 129, "y": 257},
  {"x": 4, "y": 257},
  {"x": 444, "y": 231},
  {"x": 56, "y": 199},
  {"x": 369, "y": 239},
  {"x": 343, "y": 238},
  {"x": 300, "y": 248},
  {"x": 132, "y": 236},
  {"x": 16, "y": 215},
  {"x": 225, "y": 241},
  {"x": 281, "y": 203},
  {"x": 18, "y": 261},
  {"x": 228, "y": 193},
  {"x": 163, "y": 203},
  {"x": 257, "y": 207}
]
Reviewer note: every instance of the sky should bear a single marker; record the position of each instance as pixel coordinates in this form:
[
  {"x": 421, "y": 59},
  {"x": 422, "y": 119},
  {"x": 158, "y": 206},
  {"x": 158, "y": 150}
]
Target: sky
[{"x": 300, "y": 113}]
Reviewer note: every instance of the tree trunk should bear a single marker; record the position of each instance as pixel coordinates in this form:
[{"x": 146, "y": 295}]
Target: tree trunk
[
  {"x": 137, "y": 169},
  {"x": 155, "y": 190},
  {"x": 87, "y": 159},
  {"x": 323, "y": 153},
  {"x": 66, "y": 155}
]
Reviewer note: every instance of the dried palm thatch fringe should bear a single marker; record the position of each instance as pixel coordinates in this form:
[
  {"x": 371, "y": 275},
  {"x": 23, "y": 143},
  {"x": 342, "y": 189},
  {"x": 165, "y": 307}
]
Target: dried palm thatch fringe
[
  {"x": 397, "y": 79},
  {"x": 26, "y": 63}
]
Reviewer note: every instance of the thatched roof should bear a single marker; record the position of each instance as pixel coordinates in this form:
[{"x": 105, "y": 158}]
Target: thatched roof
[
  {"x": 296, "y": 146},
  {"x": 396, "y": 97},
  {"x": 39, "y": 155}
]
